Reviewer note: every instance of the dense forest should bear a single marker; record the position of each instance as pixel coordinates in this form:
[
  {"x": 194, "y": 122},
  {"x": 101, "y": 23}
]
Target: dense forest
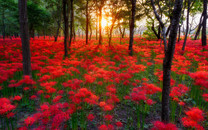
[{"x": 103, "y": 65}]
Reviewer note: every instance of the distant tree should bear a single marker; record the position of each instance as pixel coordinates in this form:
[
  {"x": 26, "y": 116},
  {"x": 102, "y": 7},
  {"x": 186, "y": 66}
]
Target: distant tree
[
  {"x": 87, "y": 21},
  {"x": 24, "y": 33},
  {"x": 131, "y": 40},
  {"x": 204, "y": 36},
  {"x": 66, "y": 25},
  {"x": 38, "y": 19},
  {"x": 71, "y": 21},
  {"x": 101, "y": 4},
  {"x": 9, "y": 18}
]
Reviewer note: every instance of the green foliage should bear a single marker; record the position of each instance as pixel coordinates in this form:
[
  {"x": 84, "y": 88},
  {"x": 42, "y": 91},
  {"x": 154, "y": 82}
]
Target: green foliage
[{"x": 149, "y": 34}]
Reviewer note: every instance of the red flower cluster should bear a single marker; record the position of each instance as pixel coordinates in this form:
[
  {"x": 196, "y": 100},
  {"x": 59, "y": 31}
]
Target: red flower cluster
[
  {"x": 6, "y": 107},
  {"x": 193, "y": 117},
  {"x": 162, "y": 126}
]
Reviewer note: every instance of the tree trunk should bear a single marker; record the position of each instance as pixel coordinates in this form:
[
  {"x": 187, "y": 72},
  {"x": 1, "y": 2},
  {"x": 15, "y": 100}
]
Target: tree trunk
[
  {"x": 24, "y": 33},
  {"x": 168, "y": 30},
  {"x": 87, "y": 22},
  {"x": 161, "y": 24},
  {"x": 111, "y": 31},
  {"x": 96, "y": 31},
  {"x": 167, "y": 62},
  {"x": 66, "y": 26},
  {"x": 100, "y": 25},
  {"x": 179, "y": 33},
  {"x": 123, "y": 34},
  {"x": 133, "y": 2},
  {"x": 154, "y": 31},
  {"x": 199, "y": 27},
  {"x": 159, "y": 34},
  {"x": 187, "y": 26},
  {"x": 57, "y": 31},
  {"x": 71, "y": 22},
  {"x": 204, "y": 36},
  {"x": 3, "y": 23},
  {"x": 73, "y": 26},
  {"x": 90, "y": 30}
]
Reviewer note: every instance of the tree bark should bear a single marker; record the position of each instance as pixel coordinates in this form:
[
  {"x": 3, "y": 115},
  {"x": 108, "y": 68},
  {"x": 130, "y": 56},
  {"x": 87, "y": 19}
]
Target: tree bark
[
  {"x": 73, "y": 26},
  {"x": 133, "y": 2},
  {"x": 168, "y": 30},
  {"x": 57, "y": 31},
  {"x": 167, "y": 62},
  {"x": 154, "y": 31},
  {"x": 24, "y": 33},
  {"x": 179, "y": 33},
  {"x": 204, "y": 36},
  {"x": 161, "y": 24},
  {"x": 66, "y": 26},
  {"x": 96, "y": 31},
  {"x": 71, "y": 22},
  {"x": 199, "y": 27},
  {"x": 100, "y": 25},
  {"x": 111, "y": 30},
  {"x": 87, "y": 22},
  {"x": 90, "y": 30},
  {"x": 187, "y": 26}
]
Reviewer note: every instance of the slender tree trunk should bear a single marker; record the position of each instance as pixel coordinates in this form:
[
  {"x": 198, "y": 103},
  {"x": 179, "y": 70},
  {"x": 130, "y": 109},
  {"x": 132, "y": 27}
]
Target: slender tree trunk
[
  {"x": 44, "y": 31},
  {"x": 3, "y": 23},
  {"x": 123, "y": 34},
  {"x": 154, "y": 31},
  {"x": 73, "y": 26},
  {"x": 187, "y": 26},
  {"x": 168, "y": 30},
  {"x": 90, "y": 30},
  {"x": 71, "y": 23},
  {"x": 66, "y": 26},
  {"x": 199, "y": 27},
  {"x": 167, "y": 62},
  {"x": 204, "y": 36},
  {"x": 96, "y": 31},
  {"x": 159, "y": 30},
  {"x": 133, "y": 2},
  {"x": 111, "y": 31},
  {"x": 100, "y": 25},
  {"x": 161, "y": 24},
  {"x": 24, "y": 33},
  {"x": 179, "y": 33},
  {"x": 87, "y": 22},
  {"x": 57, "y": 31}
]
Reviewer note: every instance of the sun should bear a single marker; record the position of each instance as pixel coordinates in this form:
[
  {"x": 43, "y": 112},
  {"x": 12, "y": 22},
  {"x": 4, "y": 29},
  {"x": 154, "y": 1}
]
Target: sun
[{"x": 104, "y": 22}]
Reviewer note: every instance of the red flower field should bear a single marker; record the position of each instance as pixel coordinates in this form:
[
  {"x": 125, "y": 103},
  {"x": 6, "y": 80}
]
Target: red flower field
[{"x": 100, "y": 86}]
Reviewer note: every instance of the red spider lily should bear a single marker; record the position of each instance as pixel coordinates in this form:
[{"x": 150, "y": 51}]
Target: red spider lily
[
  {"x": 193, "y": 117},
  {"x": 17, "y": 98},
  {"x": 108, "y": 117},
  {"x": 110, "y": 127},
  {"x": 178, "y": 92},
  {"x": 57, "y": 98},
  {"x": 103, "y": 127},
  {"x": 90, "y": 117},
  {"x": 33, "y": 97},
  {"x": 29, "y": 121},
  {"x": 6, "y": 106},
  {"x": 201, "y": 78},
  {"x": 205, "y": 96},
  {"x": 162, "y": 126},
  {"x": 119, "y": 124}
]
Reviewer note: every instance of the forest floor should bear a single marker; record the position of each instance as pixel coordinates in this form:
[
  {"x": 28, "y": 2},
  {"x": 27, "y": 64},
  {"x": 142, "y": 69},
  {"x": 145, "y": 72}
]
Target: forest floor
[{"x": 101, "y": 87}]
